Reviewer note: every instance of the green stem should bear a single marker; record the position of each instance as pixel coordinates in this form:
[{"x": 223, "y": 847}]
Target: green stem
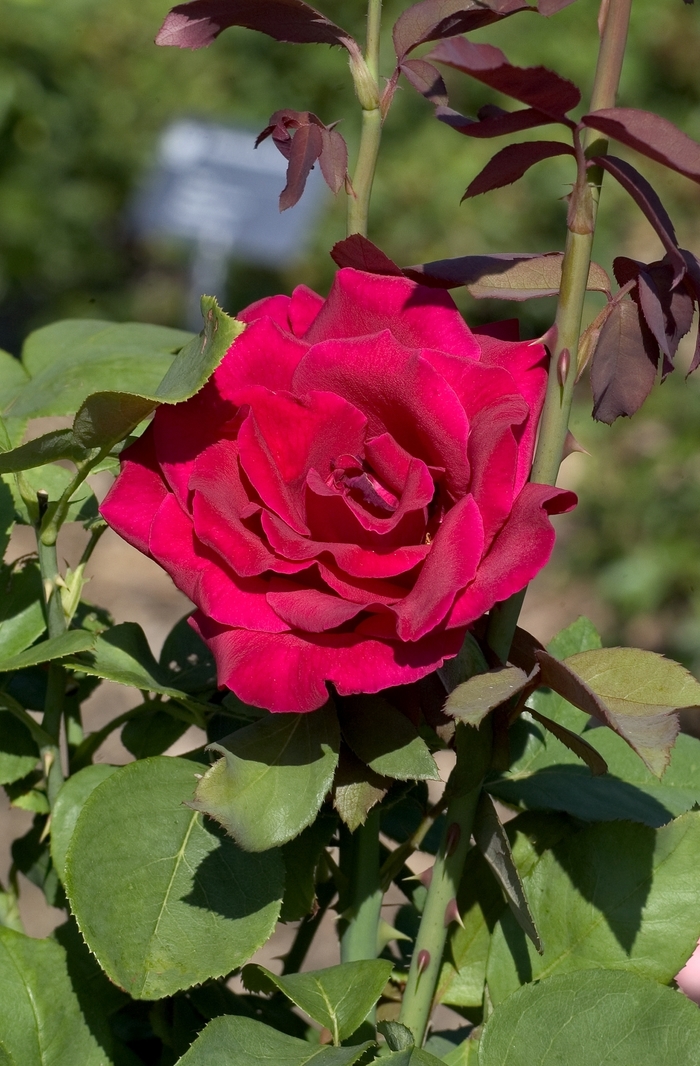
[
  {"x": 56, "y": 685},
  {"x": 359, "y": 940},
  {"x": 397, "y": 858},
  {"x": 473, "y": 757},
  {"x": 365, "y": 72},
  {"x": 554, "y": 424}
]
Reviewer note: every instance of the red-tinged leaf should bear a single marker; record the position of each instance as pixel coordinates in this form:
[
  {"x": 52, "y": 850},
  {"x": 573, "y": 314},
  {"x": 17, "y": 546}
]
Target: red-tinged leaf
[
  {"x": 550, "y": 7},
  {"x": 624, "y": 364},
  {"x": 668, "y": 312},
  {"x": 197, "y": 24},
  {"x": 334, "y": 159},
  {"x": 535, "y": 86},
  {"x": 432, "y": 19},
  {"x": 492, "y": 121},
  {"x": 652, "y": 135},
  {"x": 574, "y": 742},
  {"x": 505, "y": 276},
  {"x": 693, "y": 281},
  {"x": 512, "y": 162},
  {"x": 307, "y": 145},
  {"x": 523, "y": 650},
  {"x": 359, "y": 252},
  {"x": 648, "y": 201},
  {"x": 426, "y": 79}
]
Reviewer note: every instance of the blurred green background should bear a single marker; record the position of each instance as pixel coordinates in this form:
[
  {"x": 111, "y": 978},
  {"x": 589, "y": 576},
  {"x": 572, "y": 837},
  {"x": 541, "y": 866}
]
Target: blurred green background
[{"x": 84, "y": 94}]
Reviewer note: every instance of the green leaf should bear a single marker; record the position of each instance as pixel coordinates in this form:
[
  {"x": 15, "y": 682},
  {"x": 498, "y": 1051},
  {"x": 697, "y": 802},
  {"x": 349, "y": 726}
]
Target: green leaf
[
  {"x": 163, "y": 899},
  {"x": 244, "y": 1042},
  {"x": 13, "y": 378},
  {"x": 385, "y": 740},
  {"x": 273, "y": 778},
  {"x": 53, "y": 480},
  {"x": 356, "y": 789},
  {"x": 67, "y": 361},
  {"x": 616, "y": 895},
  {"x": 122, "y": 654},
  {"x": 41, "y": 1023},
  {"x": 152, "y": 732},
  {"x": 7, "y": 516},
  {"x": 466, "y": 1054},
  {"x": 19, "y": 753},
  {"x": 468, "y": 662},
  {"x": 640, "y": 689},
  {"x": 551, "y": 777},
  {"x": 598, "y": 1017},
  {"x": 75, "y": 640},
  {"x": 471, "y": 701},
  {"x": 411, "y": 1057},
  {"x": 26, "y": 796},
  {"x": 574, "y": 742},
  {"x": 58, "y": 444},
  {"x": 301, "y": 857},
  {"x": 185, "y": 655},
  {"x": 581, "y": 635},
  {"x": 69, "y": 803},
  {"x": 339, "y": 997},
  {"x": 21, "y": 615},
  {"x": 398, "y": 1037}
]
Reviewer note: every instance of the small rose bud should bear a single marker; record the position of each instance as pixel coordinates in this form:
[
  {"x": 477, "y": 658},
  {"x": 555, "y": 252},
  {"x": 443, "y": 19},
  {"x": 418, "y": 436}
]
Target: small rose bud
[
  {"x": 453, "y": 835},
  {"x": 423, "y": 960}
]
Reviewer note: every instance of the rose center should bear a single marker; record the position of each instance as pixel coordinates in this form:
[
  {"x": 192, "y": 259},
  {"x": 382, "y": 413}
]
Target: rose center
[{"x": 351, "y": 476}]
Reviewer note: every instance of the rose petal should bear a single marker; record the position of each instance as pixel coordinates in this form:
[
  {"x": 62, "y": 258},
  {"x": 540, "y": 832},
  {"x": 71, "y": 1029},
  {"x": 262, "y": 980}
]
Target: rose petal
[
  {"x": 303, "y": 309},
  {"x": 172, "y": 544},
  {"x": 287, "y": 673},
  {"x": 264, "y": 354},
  {"x": 493, "y": 455},
  {"x": 311, "y": 610},
  {"x": 452, "y": 563},
  {"x": 518, "y": 553},
  {"x": 361, "y": 304},
  {"x": 137, "y": 493},
  {"x": 400, "y": 393},
  {"x": 333, "y": 515},
  {"x": 274, "y": 307}
]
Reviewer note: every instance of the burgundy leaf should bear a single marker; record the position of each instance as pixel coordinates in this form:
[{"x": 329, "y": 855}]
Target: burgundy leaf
[
  {"x": 523, "y": 650},
  {"x": 648, "y": 201},
  {"x": 693, "y": 280},
  {"x": 512, "y": 162},
  {"x": 426, "y": 79},
  {"x": 359, "y": 252},
  {"x": 652, "y": 135},
  {"x": 334, "y": 159},
  {"x": 668, "y": 311},
  {"x": 493, "y": 121},
  {"x": 550, "y": 7},
  {"x": 197, "y": 24},
  {"x": 535, "y": 86},
  {"x": 505, "y": 276},
  {"x": 430, "y": 20},
  {"x": 624, "y": 364},
  {"x": 307, "y": 145}
]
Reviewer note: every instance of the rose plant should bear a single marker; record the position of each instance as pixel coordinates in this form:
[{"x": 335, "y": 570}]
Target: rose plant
[
  {"x": 348, "y": 492},
  {"x": 354, "y": 492}
]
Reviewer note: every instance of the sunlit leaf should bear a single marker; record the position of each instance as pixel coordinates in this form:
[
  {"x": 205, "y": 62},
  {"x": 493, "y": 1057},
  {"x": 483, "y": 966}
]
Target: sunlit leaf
[{"x": 246, "y": 1042}]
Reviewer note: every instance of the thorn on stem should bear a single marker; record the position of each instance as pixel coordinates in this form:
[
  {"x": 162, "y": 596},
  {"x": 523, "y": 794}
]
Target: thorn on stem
[
  {"x": 572, "y": 445},
  {"x": 423, "y": 961},
  {"x": 563, "y": 363},
  {"x": 452, "y": 914},
  {"x": 453, "y": 835}
]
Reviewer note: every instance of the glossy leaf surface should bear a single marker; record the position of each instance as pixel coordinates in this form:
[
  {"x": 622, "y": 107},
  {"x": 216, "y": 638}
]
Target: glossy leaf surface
[{"x": 69, "y": 803}]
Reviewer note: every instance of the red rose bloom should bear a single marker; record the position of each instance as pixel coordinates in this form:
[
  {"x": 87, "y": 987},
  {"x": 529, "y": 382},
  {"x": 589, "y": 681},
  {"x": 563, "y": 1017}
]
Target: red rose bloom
[{"x": 348, "y": 492}]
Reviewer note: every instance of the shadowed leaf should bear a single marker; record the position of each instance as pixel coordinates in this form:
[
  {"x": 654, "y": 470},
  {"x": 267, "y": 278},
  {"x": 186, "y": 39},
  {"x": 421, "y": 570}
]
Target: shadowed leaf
[
  {"x": 652, "y": 135},
  {"x": 247, "y": 1042},
  {"x": 648, "y": 201},
  {"x": 505, "y": 276},
  {"x": 426, "y": 79},
  {"x": 667, "y": 311},
  {"x": 535, "y": 86},
  {"x": 492, "y": 121},
  {"x": 197, "y": 24},
  {"x": 693, "y": 281},
  {"x": 338, "y": 997},
  {"x": 384, "y": 739},
  {"x": 433, "y": 19},
  {"x": 512, "y": 162},
  {"x": 574, "y": 742},
  {"x": 356, "y": 789},
  {"x": 623, "y": 369},
  {"x": 471, "y": 701},
  {"x": 359, "y": 252},
  {"x": 492, "y": 842}
]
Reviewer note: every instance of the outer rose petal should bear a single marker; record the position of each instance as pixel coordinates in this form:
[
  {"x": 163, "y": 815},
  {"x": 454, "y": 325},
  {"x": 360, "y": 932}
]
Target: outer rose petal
[
  {"x": 172, "y": 544},
  {"x": 287, "y": 672},
  {"x": 311, "y": 610},
  {"x": 303, "y": 309},
  {"x": 493, "y": 454},
  {"x": 400, "y": 393},
  {"x": 274, "y": 307},
  {"x": 137, "y": 493},
  {"x": 519, "y": 552},
  {"x": 361, "y": 304},
  {"x": 263, "y": 354}
]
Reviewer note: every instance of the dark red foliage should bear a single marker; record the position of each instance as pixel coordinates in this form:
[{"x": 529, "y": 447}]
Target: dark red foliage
[
  {"x": 492, "y": 121},
  {"x": 426, "y": 79},
  {"x": 311, "y": 140},
  {"x": 535, "y": 86},
  {"x": 624, "y": 364},
  {"x": 512, "y": 162},
  {"x": 668, "y": 311},
  {"x": 648, "y": 200},
  {"x": 550, "y": 7},
  {"x": 652, "y": 135},
  {"x": 431, "y": 20},
  {"x": 197, "y": 24},
  {"x": 359, "y": 252}
]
